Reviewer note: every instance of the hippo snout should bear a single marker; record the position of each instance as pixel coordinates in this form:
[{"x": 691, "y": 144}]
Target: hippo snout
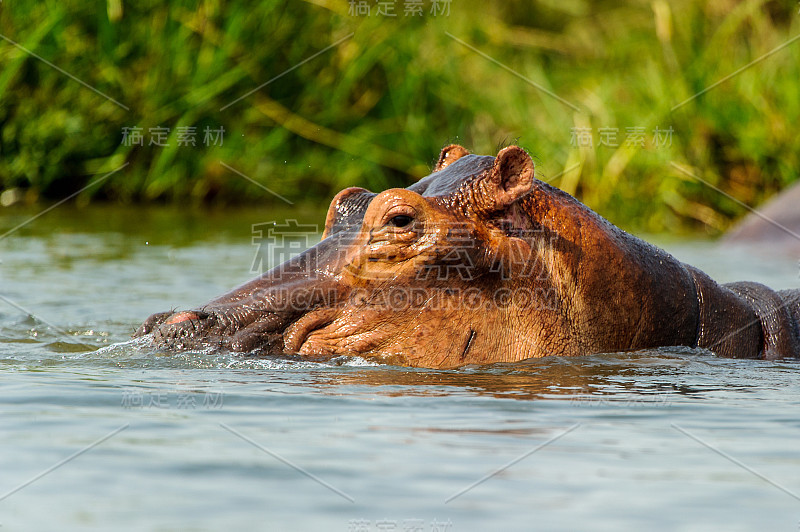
[
  {"x": 182, "y": 328},
  {"x": 152, "y": 323},
  {"x": 162, "y": 319},
  {"x": 237, "y": 331}
]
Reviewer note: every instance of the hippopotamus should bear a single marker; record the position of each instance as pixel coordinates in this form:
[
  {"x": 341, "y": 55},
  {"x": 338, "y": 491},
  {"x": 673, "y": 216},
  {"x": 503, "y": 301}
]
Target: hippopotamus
[
  {"x": 481, "y": 262},
  {"x": 776, "y": 224}
]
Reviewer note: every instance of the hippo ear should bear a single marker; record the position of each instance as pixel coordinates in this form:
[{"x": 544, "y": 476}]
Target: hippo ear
[
  {"x": 347, "y": 210},
  {"x": 449, "y": 155},
  {"x": 510, "y": 178}
]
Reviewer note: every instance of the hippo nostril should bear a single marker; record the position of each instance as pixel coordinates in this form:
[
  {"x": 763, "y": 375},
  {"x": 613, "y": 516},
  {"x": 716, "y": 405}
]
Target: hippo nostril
[{"x": 182, "y": 316}]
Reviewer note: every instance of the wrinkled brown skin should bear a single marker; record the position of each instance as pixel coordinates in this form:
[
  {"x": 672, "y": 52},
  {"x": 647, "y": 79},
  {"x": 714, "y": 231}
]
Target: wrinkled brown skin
[{"x": 476, "y": 228}]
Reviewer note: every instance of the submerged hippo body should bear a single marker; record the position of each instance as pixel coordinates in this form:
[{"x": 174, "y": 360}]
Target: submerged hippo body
[{"x": 477, "y": 263}]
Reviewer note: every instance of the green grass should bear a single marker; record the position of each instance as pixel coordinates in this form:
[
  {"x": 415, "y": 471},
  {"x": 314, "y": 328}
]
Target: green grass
[{"x": 374, "y": 110}]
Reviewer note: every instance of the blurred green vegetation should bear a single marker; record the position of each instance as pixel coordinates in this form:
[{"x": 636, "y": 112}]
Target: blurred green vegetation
[{"x": 375, "y": 109}]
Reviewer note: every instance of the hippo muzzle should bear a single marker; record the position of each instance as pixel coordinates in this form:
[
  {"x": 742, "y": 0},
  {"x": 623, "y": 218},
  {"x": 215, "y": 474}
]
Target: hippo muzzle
[{"x": 256, "y": 315}]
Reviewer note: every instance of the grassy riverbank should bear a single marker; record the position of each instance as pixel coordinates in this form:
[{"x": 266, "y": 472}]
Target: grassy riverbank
[{"x": 386, "y": 92}]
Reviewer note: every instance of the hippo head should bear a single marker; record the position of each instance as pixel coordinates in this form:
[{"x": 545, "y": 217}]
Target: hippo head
[{"x": 479, "y": 262}]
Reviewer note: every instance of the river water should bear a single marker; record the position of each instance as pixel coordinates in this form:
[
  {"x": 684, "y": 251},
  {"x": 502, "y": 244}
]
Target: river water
[{"x": 99, "y": 433}]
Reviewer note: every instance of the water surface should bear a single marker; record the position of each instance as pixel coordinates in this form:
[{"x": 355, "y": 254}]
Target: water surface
[{"x": 97, "y": 432}]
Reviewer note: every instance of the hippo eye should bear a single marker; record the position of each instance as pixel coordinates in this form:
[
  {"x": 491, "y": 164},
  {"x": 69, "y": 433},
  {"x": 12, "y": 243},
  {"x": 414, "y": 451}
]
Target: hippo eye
[{"x": 401, "y": 220}]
